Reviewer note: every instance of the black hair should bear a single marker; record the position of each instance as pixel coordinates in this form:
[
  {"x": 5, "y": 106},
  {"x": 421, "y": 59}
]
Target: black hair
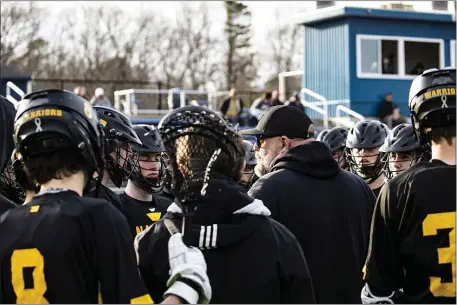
[
  {"x": 57, "y": 165},
  {"x": 436, "y": 134}
]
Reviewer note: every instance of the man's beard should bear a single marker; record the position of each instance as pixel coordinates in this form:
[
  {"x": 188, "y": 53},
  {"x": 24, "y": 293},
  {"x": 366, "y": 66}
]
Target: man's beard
[{"x": 260, "y": 170}]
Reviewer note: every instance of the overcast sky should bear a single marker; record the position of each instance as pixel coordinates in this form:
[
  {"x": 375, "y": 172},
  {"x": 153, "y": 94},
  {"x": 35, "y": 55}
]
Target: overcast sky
[{"x": 261, "y": 11}]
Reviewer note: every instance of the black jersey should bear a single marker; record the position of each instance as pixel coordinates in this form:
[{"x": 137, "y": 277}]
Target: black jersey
[
  {"x": 107, "y": 194},
  {"x": 412, "y": 243},
  {"x": 62, "y": 248},
  {"x": 5, "y": 204},
  {"x": 377, "y": 191},
  {"x": 141, "y": 214}
]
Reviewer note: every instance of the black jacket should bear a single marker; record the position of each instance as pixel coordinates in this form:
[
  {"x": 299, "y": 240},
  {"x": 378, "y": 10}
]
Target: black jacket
[
  {"x": 7, "y": 113},
  {"x": 226, "y": 104},
  {"x": 329, "y": 211},
  {"x": 250, "y": 257}
]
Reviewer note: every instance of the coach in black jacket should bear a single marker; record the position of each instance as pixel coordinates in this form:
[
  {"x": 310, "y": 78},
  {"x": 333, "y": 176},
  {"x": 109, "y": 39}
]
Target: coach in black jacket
[
  {"x": 328, "y": 209},
  {"x": 250, "y": 257}
]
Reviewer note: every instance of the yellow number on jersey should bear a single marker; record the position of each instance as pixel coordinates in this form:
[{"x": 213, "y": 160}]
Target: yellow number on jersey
[
  {"x": 432, "y": 223},
  {"x": 28, "y": 258}
]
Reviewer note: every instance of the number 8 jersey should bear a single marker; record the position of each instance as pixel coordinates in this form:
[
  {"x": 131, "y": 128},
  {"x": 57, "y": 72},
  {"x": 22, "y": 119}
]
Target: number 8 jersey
[
  {"x": 61, "y": 248},
  {"x": 412, "y": 246}
]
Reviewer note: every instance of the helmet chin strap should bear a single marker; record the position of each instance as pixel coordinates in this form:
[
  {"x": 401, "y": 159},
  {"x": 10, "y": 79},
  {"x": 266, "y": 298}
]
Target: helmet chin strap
[{"x": 145, "y": 184}]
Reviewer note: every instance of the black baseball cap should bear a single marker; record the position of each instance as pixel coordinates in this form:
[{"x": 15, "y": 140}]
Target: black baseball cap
[{"x": 283, "y": 120}]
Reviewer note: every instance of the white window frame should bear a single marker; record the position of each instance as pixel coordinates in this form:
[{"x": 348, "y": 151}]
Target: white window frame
[
  {"x": 452, "y": 53},
  {"x": 401, "y": 55}
]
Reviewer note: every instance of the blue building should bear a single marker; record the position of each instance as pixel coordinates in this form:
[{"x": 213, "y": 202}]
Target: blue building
[
  {"x": 360, "y": 54},
  {"x": 17, "y": 77}
]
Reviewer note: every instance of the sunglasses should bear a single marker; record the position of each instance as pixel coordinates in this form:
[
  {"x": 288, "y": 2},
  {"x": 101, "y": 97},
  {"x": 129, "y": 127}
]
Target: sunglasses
[{"x": 261, "y": 138}]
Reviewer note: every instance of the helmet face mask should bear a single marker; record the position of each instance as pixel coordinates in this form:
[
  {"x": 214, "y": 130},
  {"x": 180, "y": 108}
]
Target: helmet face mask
[
  {"x": 148, "y": 172},
  {"x": 198, "y": 142},
  {"x": 366, "y": 163},
  {"x": 363, "y": 144},
  {"x": 120, "y": 135},
  {"x": 248, "y": 175},
  {"x": 397, "y": 162},
  {"x": 118, "y": 159},
  {"x": 401, "y": 150}
]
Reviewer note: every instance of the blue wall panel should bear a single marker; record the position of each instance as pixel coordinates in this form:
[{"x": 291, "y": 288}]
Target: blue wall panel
[
  {"x": 366, "y": 94},
  {"x": 326, "y": 68}
]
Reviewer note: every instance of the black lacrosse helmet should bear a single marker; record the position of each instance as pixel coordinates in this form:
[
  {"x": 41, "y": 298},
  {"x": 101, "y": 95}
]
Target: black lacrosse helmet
[
  {"x": 401, "y": 139},
  {"x": 118, "y": 129},
  {"x": 151, "y": 143},
  {"x": 366, "y": 134},
  {"x": 432, "y": 101},
  {"x": 198, "y": 142},
  {"x": 51, "y": 120}
]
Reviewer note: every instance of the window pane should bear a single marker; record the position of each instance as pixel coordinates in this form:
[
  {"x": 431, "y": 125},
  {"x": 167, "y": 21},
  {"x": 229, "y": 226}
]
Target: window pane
[
  {"x": 389, "y": 56},
  {"x": 369, "y": 53},
  {"x": 420, "y": 56}
]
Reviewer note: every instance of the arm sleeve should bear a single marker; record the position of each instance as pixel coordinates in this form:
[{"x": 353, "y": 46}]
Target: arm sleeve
[
  {"x": 262, "y": 190},
  {"x": 296, "y": 284},
  {"x": 115, "y": 261},
  {"x": 148, "y": 254},
  {"x": 383, "y": 271}
]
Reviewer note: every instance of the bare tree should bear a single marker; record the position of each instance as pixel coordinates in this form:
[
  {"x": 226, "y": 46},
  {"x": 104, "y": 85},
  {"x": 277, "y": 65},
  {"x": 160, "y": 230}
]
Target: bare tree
[
  {"x": 200, "y": 52},
  {"x": 20, "y": 42},
  {"x": 238, "y": 32},
  {"x": 284, "y": 45}
]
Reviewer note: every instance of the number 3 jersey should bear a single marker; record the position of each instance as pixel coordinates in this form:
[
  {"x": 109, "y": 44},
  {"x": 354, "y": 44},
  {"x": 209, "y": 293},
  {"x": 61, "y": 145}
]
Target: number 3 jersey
[
  {"x": 62, "y": 248},
  {"x": 412, "y": 245}
]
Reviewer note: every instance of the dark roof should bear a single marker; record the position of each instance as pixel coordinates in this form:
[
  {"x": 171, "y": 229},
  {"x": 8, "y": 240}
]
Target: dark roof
[
  {"x": 337, "y": 12},
  {"x": 7, "y": 72}
]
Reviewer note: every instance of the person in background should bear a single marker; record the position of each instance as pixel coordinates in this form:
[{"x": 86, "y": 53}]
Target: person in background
[
  {"x": 232, "y": 107},
  {"x": 82, "y": 92},
  {"x": 386, "y": 109},
  {"x": 294, "y": 101},
  {"x": 100, "y": 99},
  {"x": 276, "y": 101},
  {"x": 397, "y": 118},
  {"x": 261, "y": 104}
]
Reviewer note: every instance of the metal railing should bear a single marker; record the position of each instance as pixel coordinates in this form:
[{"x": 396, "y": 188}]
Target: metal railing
[
  {"x": 319, "y": 97},
  {"x": 11, "y": 86},
  {"x": 341, "y": 108},
  {"x": 125, "y": 100}
]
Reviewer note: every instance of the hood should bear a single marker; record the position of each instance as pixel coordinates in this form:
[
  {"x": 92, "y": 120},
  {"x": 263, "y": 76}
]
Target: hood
[
  {"x": 222, "y": 217},
  {"x": 7, "y": 114},
  {"x": 313, "y": 159}
]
